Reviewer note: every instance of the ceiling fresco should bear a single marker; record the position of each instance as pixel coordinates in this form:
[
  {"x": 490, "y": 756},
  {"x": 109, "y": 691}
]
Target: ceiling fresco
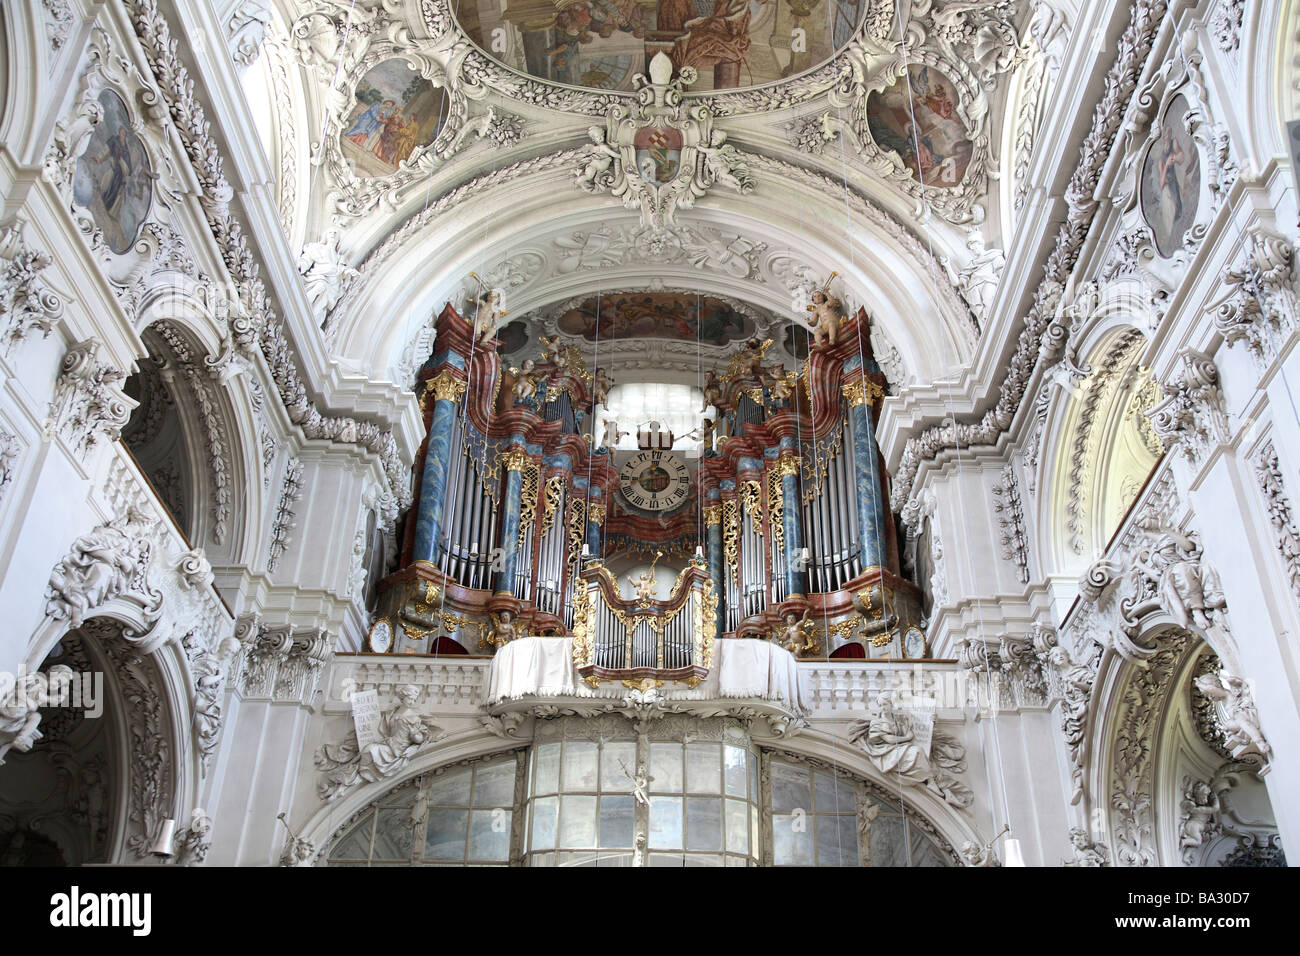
[{"x": 603, "y": 44}]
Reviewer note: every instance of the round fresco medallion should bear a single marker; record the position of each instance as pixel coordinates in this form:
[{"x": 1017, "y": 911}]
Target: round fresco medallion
[
  {"x": 113, "y": 179},
  {"x": 1170, "y": 187},
  {"x": 603, "y": 44},
  {"x": 916, "y": 117},
  {"x": 395, "y": 111}
]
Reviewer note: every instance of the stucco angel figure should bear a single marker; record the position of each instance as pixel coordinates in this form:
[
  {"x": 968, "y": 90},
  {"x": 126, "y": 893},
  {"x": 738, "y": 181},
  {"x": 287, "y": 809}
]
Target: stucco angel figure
[
  {"x": 889, "y": 739},
  {"x": 488, "y": 314},
  {"x": 403, "y": 732},
  {"x": 19, "y": 714},
  {"x": 101, "y": 565},
  {"x": 1087, "y": 852},
  {"x": 1237, "y": 715},
  {"x": 1199, "y": 810},
  {"x": 724, "y": 164},
  {"x": 794, "y": 636},
  {"x": 783, "y": 383},
  {"x": 325, "y": 272},
  {"x": 602, "y": 158},
  {"x": 1188, "y": 589},
  {"x": 827, "y": 313}
]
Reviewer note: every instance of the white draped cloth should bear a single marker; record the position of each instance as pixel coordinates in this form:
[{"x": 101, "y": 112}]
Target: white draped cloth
[{"x": 742, "y": 668}]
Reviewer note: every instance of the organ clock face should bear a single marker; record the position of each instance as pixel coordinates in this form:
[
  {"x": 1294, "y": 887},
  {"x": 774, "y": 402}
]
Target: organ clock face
[{"x": 655, "y": 480}]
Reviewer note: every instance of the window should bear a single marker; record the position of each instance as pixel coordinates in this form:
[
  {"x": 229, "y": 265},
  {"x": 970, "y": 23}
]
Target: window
[{"x": 463, "y": 814}]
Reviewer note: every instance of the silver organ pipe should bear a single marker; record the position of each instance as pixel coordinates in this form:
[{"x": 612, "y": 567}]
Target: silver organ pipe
[
  {"x": 834, "y": 549},
  {"x": 550, "y": 560},
  {"x": 830, "y": 523},
  {"x": 848, "y": 468},
  {"x": 523, "y": 583}
]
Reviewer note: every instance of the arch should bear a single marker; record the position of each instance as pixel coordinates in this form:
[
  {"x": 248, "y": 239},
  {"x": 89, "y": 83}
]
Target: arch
[
  {"x": 25, "y": 65},
  {"x": 576, "y": 243},
  {"x": 1165, "y": 790},
  {"x": 1102, "y": 446}
]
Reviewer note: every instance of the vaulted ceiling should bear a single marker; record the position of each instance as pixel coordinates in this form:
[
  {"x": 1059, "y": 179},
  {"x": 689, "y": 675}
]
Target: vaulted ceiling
[{"x": 409, "y": 157}]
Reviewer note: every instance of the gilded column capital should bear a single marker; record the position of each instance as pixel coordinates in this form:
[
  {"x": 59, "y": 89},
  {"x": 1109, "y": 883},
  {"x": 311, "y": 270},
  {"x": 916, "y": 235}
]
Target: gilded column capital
[
  {"x": 861, "y": 392},
  {"x": 596, "y": 513},
  {"x": 713, "y": 514},
  {"x": 445, "y": 387},
  {"x": 787, "y": 465},
  {"x": 516, "y": 459}
]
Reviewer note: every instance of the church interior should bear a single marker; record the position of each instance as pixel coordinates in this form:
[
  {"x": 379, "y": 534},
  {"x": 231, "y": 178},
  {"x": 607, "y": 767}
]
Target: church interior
[{"x": 649, "y": 433}]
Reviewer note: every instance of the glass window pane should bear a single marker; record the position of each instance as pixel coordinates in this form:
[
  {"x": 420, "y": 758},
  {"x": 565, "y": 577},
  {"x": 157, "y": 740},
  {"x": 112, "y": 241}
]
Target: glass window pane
[
  {"x": 616, "y": 757},
  {"x": 737, "y": 826},
  {"x": 494, "y": 785},
  {"x": 666, "y": 859},
  {"x": 837, "y": 840},
  {"x": 887, "y": 847},
  {"x": 392, "y": 835},
  {"x": 450, "y": 789},
  {"x": 666, "y": 822},
  {"x": 542, "y": 859},
  {"x": 546, "y": 769},
  {"x": 579, "y": 765},
  {"x": 577, "y": 821},
  {"x": 735, "y": 760},
  {"x": 791, "y": 840},
  {"x": 703, "y": 859},
  {"x": 737, "y": 861},
  {"x": 790, "y": 788},
  {"x": 703, "y": 768},
  {"x": 832, "y": 794},
  {"x": 489, "y": 835},
  {"x": 446, "y": 839},
  {"x": 617, "y": 822},
  {"x": 356, "y": 845},
  {"x": 545, "y": 812},
  {"x": 666, "y": 768},
  {"x": 753, "y": 779},
  {"x": 704, "y": 823}
]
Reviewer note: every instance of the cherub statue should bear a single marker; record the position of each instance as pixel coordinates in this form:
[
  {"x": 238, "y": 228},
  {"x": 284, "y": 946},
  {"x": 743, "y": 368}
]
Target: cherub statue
[
  {"x": 828, "y": 312},
  {"x": 712, "y": 391},
  {"x": 783, "y": 383},
  {"x": 601, "y": 156},
  {"x": 403, "y": 731},
  {"x": 704, "y": 433},
  {"x": 506, "y": 629},
  {"x": 1237, "y": 715},
  {"x": 723, "y": 162},
  {"x": 554, "y": 352},
  {"x": 1200, "y": 806},
  {"x": 487, "y": 314},
  {"x": 645, "y": 583},
  {"x": 19, "y": 714},
  {"x": 612, "y": 433},
  {"x": 794, "y": 636},
  {"x": 525, "y": 386},
  {"x": 600, "y": 387},
  {"x": 753, "y": 359},
  {"x": 1087, "y": 852}
]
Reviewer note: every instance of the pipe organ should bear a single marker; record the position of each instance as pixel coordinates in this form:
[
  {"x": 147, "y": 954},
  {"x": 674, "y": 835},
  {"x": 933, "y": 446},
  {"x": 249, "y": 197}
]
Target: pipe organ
[{"x": 519, "y": 516}]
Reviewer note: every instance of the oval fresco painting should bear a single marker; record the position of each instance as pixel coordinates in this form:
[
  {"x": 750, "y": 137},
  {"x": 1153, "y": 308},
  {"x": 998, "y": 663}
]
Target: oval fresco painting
[
  {"x": 113, "y": 178},
  {"x": 395, "y": 111},
  {"x": 603, "y": 44},
  {"x": 656, "y": 315},
  {"x": 916, "y": 117},
  {"x": 1171, "y": 181}
]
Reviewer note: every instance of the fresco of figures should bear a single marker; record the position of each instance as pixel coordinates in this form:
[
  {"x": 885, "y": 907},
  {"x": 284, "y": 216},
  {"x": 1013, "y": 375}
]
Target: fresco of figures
[
  {"x": 1171, "y": 181},
  {"x": 603, "y": 44},
  {"x": 114, "y": 180},
  {"x": 916, "y": 117},
  {"x": 656, "y": 315},
  {"x": 395, "y": 112}
]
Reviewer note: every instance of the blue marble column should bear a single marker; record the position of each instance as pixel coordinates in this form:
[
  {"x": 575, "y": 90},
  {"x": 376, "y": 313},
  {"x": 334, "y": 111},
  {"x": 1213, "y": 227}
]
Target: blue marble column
[
  {"x": 717, "y": 562},
  {"x": 866, "y": 462},
  {"x": 513, "y": 462},
  {"x": 796, "y": 577},
  {"x": 446, "y": 391},
  {"x": 595, "y": 519}
]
